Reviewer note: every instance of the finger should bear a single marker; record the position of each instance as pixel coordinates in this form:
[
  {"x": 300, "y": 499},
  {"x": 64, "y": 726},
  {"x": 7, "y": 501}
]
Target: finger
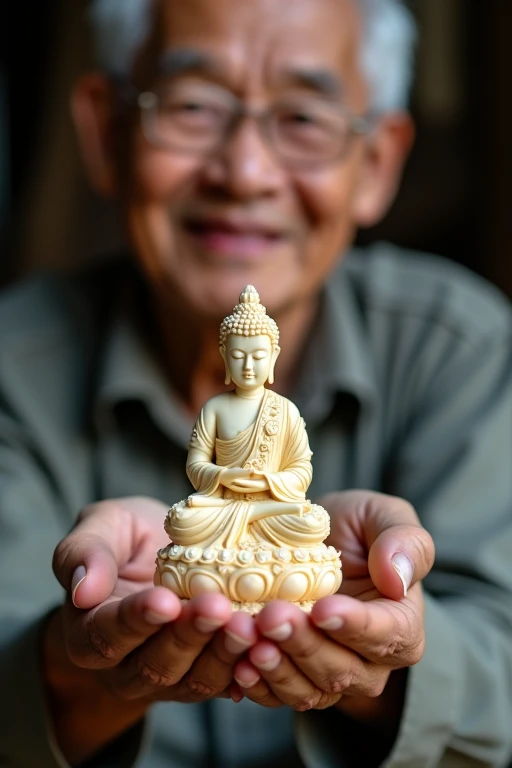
[
  {"x": 166, "y": 658},
  {"x": 382, "y": 631},
  {"x": 291, "y": 686},
  {"x": 331, "y": 668},
  {"x": 400, "y": 550},
  {"x": 254, "y": 686},
  {"x": 213, "y": 669},
  {"x": 103, "y": 637},
  {"x": 400, "y": 547}
]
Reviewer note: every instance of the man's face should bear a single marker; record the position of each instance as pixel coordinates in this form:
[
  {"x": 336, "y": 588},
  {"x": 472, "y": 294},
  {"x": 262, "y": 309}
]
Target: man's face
[{"x": 203, "y": 226}]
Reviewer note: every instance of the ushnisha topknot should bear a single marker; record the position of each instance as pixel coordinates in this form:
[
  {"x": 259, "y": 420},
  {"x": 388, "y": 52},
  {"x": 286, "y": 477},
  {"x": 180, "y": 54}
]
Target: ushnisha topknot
[{"x": 249, "y": 318}]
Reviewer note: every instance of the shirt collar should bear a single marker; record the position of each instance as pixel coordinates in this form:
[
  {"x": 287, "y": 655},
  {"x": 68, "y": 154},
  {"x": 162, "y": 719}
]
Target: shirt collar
[
  {"x": 129, "y": 370},
  {"x": 336, "y": 359}
]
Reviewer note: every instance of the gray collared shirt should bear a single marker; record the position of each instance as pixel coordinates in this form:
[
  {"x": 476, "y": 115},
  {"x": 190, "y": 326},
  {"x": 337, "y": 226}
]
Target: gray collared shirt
[{"x": 406, "y": 387}]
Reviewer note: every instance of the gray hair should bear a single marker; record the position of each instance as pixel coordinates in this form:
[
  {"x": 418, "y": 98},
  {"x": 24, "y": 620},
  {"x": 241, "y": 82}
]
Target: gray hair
[{"x": 120, "y": 28}]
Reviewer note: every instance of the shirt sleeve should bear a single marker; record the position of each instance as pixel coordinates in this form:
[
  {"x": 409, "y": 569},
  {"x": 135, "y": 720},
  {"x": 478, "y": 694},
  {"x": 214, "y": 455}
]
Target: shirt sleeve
[
  {"x": 32, "y": 522},
  {"x": 453, "y": 462},
  {"x": 455, "y": 466}
]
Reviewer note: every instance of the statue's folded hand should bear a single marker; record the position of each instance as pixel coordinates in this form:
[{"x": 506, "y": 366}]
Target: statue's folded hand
[
  {"x": 250, "y": 485},
  {"x": 230, "y": 477}
]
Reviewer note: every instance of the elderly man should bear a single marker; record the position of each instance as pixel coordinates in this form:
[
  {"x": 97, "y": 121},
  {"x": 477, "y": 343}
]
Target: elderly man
[{"x": 245, "y": 143}]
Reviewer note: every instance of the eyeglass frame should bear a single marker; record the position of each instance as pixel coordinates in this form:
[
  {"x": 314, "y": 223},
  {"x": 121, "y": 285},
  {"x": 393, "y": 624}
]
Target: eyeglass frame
[{"x": 146, "y": 101}]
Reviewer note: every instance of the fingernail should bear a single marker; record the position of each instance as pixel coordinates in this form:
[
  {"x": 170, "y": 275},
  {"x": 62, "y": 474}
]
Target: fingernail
[
  {"x": 152, "y": 617},
  {"x": 235, "y": 644},
  {"x": 247, "y": 683},
  {"x": 404, "y": 569},
  {"x": 271, "y": 663},
  {"x": 236, "y": 694},
  {"x": 332, "y": 623},
  {"x": 280, "y": 633},
  {"x": 78, "y": 576},
  {"x": 204, "y": 624}
]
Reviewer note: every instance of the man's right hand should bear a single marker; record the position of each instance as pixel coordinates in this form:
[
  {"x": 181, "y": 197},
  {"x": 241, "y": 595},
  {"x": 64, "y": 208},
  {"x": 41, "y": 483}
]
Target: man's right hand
[{"x": 119, "y": 643}]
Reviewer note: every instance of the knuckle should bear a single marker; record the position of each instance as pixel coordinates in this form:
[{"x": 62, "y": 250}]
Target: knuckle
[
  {"x": 202, "y": 688},
  {"x": 317, "y": 700},
  {"x": 327, "y": 700},
  {"x": 308, "y": 702},
  {"x": 338, "y": 682},
  {"x": 415, "y": 652},
  {"x": 284, "y": 679},
  {"x": 151, "y": 675},
  {"x": 389, "y": 650},
  {"x": 426, "y": 548},
  {"x": 307, "y": 651},
  {"x": 105, "y": 650}
]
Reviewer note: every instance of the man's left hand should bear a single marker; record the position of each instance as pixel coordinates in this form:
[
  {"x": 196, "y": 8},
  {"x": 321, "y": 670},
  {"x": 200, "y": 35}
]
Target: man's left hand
[{"x": 345, "y": 650}]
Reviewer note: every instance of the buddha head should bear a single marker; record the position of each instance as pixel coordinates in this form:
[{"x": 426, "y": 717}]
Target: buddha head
[{"x": 248, "y": 342}]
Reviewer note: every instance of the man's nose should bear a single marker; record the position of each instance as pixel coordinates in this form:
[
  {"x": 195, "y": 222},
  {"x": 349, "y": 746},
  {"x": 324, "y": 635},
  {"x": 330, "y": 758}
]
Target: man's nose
[
  {"x": 248, "y": 363},
  {"x": 245, "y": 166}
]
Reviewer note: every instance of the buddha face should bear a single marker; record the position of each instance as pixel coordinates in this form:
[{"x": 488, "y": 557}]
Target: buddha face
[{"x": 249, "y": 360}]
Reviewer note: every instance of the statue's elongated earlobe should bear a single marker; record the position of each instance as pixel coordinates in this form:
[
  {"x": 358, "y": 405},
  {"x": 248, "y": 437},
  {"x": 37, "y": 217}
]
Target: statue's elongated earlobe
[
  {"x": 227, "y": 379},
  {"x": 275, "y": 354}
]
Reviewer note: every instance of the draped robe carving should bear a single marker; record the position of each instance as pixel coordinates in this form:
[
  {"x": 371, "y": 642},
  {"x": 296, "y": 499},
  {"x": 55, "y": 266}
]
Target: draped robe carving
[{"x": 276, "y": 445}]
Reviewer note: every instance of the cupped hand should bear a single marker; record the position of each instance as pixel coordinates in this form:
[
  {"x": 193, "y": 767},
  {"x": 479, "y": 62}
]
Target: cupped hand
[
  {"x": 345, "y": 651},
  {"x": 141, "y": 641}
]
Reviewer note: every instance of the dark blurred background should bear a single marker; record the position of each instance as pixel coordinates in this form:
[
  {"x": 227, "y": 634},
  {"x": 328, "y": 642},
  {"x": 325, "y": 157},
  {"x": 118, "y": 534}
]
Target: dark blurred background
[{"x": 456, "y": 197}]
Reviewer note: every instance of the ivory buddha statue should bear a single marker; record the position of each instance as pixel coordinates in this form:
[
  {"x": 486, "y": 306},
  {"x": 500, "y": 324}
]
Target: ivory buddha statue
[{"x": 248, "y": 531}]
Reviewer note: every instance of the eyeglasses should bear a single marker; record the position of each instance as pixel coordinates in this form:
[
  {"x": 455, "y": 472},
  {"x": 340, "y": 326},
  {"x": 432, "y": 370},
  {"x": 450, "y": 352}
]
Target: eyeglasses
[{"x": 199, "y": 119}]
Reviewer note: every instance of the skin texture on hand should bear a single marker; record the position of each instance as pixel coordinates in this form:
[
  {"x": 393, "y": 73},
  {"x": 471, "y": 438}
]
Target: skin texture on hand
[
  {"x": 121, "y": 643},
  {"x": 345, "y": 652}
]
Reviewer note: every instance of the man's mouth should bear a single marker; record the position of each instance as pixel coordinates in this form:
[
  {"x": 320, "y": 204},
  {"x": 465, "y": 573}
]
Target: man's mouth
[{"x": 234, "y": 238}]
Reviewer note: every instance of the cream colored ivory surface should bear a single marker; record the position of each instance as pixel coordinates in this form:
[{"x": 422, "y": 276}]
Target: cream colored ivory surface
[{"x": 248, "y": 531}]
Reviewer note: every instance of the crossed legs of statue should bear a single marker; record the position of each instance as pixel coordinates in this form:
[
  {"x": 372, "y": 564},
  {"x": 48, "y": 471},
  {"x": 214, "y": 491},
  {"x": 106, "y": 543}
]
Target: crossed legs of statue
[{"x": 259, "y": 509}]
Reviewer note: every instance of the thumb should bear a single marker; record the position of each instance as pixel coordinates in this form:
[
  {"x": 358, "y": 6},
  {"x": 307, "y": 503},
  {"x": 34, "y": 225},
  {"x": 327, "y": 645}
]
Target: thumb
[
  {"x": 400, "y": 550},
  {"x": 87, "y": 561},
  {"x": 381, "y": 534}
]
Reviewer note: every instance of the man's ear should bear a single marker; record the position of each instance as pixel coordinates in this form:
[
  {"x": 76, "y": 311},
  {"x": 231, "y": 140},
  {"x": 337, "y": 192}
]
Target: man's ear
[
  {"x": 92, "y": 108},
  {"x": 387, "y": 148}
]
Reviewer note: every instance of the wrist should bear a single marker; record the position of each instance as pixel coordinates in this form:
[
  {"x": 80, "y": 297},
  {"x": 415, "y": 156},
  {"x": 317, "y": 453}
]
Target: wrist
[
  {"x": 85, "y": 715},
  {"x": 384, "y": 711}
]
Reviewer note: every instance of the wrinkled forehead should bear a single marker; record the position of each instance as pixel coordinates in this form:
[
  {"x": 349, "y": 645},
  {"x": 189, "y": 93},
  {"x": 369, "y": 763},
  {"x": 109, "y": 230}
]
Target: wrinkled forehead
[{"x": 257, "y": 44}]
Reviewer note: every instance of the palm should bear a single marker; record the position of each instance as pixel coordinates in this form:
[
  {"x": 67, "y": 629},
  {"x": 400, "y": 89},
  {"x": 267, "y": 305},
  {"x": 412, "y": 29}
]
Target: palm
[
  {"x": 361, "y": 529},
  {"x": 139, "y": 535}
]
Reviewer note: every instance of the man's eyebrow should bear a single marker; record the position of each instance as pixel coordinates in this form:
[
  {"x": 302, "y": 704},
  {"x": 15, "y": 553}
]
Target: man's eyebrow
[
  {"x": 179, "y": 60},
  {"x": 321, "y": 80}
]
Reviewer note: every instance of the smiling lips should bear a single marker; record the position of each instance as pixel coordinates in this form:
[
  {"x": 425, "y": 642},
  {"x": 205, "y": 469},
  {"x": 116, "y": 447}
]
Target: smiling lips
[{"x": 235, "y": 236}]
